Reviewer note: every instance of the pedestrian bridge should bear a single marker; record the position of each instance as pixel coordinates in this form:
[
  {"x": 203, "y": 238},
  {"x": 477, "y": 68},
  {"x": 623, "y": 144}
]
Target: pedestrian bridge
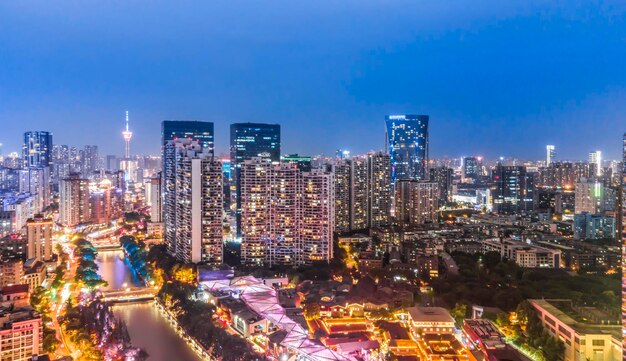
[{"x": 132, "y": 294}]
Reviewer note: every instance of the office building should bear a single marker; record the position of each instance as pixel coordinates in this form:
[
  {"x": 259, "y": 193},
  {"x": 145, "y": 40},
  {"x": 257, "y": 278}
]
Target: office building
[
  {"x": 287, "y": 215},
  {"x": 247, "y": 141},
  {"x": 23, "y": 207},
  {"x": 407, "y": 142},
  {"x": 74, "y": 200},
  {"x": 472, "y": 169},
  {"x": 514, "y": 190},
  {"x": 39, "y": 234},
  {"x": 199, "y": 131},
  {"x": 416, "y": 202},
  {"x": 193, "y": 202},
  {"x": 550, "y": 154},
  {"x": 37, "y": 149}
]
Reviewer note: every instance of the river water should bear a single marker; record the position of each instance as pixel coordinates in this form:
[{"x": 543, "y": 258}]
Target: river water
[{"x": 147, "y": 328}]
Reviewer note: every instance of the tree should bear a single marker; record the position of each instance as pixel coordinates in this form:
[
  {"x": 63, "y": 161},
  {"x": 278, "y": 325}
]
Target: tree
[
  {"x": 459, "y": 313},
  {"x": 312, "y": 310},
  {"x": 185, "y": 273}
]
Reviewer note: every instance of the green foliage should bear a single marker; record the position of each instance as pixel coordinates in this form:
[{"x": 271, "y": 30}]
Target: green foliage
[{"x": 486, "y": 280}]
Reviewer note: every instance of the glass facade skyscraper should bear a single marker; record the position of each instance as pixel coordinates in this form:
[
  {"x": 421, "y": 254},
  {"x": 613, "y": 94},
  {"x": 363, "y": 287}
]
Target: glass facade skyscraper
[
  {"x": 37, "y": 149},
  {"x": 247, "y": 141},
  {"x": 407, "y": 142},
  {"x": 190, "y": 129}
]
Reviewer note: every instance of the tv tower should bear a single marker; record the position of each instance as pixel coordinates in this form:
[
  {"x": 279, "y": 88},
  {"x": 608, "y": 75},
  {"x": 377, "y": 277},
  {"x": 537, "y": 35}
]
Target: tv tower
[{"x": 127, "y": 134}]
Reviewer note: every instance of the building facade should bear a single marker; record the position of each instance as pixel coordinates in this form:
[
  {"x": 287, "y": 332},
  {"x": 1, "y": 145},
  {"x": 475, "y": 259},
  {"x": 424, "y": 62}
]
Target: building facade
[
  {"x": 407, "y": 144},
  {"x": 193, "y": 203},
  {"x": 37, "y": 149},
  {"x": 247, "y": 141},
  {"x": 287, "y": 216}
]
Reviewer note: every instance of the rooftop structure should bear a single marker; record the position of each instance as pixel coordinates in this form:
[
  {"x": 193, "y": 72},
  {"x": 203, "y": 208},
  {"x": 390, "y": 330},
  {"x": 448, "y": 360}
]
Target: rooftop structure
[{"x": 263, "y": 300}]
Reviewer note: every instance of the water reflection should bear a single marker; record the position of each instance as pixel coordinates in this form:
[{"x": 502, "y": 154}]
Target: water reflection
[
  {"x": 115, "y": 271},
  {"x": 149, "y": 330}
]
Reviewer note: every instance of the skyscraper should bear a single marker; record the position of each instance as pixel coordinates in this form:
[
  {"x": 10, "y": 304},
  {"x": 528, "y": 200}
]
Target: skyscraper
[
  {"x": 189, "y": 129},
  {"x": 247, "y": 141},
  {"x": 550, "y": 154},
  {"x": 287, "y": 215},
  {"x": 443, "y": 177},
  {"x": 407, "y": 142},
  {"x": 39, "y": 233},
  {"x": 36, "y": 181},
  {"x": 37, "y": 149},
  {"x": 471, "y": 168},
  {"x": 362, "y": 192},
  {"x": 593, "y": 196},
  {"x": 514, "y": 189},
  {"x": 193, "y": 202},
  {"x": 379, "y": 189},
  {"x": 596, "y": 158},
  {"x": 156, "y": 210},
  {"x": 73, "y": 200},
  {"x": 416, "y": 202}
]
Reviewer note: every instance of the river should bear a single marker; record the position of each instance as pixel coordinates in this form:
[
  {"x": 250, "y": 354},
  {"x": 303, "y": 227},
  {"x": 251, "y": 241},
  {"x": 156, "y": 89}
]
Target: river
[{"x": 147, "y": 328}]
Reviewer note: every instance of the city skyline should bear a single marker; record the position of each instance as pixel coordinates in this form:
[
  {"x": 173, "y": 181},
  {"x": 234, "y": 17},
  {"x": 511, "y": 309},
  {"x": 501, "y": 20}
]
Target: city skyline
[{"x": 337, "y": 87}]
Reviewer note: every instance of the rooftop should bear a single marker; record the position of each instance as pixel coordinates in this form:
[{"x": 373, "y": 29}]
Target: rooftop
[{"x": 430, "y": 314}]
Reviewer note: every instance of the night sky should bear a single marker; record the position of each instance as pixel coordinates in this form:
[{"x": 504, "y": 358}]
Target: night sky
[{"x": 498, "y": 78}]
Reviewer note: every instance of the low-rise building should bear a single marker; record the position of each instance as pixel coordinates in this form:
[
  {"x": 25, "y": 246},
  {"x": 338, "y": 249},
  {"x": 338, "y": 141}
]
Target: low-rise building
[
  {"x": 524, "y": 254},
  {"x": 583, "y": 338},
  {"x": 425, "y": 320}
]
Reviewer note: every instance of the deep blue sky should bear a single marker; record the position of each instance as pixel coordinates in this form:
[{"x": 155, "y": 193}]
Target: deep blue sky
[{"x": 496, "y": 77}]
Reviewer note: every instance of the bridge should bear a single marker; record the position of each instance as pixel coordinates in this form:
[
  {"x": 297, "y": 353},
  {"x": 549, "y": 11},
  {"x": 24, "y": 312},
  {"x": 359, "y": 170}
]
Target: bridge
[{"x": 129, "y": 294}]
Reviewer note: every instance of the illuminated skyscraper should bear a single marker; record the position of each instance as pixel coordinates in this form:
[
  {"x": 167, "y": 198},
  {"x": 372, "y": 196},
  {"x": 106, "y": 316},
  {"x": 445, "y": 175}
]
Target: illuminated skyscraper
[
  {"x": 550, "y": 154},
  {"x": 596, "y": 158},
  {"x": 407, "y": 142},
  {"x": 416, "y": 202},
  {"x": 379, "y": 189},
  {"x": 193, "y": 203},
  {"x": 287, "y": 216},
  {"x": 593, "y": 196},
  {"x": 362, "y": 192},
  {"x": 73, "y": 200},
  {"x": 443, "y": 177},
  {"x": 247, "y": 141},
  {"x": 514, "y": 190},
  {"x": 189, "y": 129},
  {"x": 472, "y": 168},
  {"x": 37, "y": 149},
  {"x": 39, "y": 233}
]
